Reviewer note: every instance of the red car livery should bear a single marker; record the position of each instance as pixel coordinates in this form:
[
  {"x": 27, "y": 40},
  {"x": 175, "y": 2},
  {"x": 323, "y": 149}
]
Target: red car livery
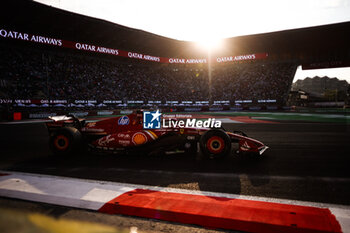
[{"x": 125, "y": 134}]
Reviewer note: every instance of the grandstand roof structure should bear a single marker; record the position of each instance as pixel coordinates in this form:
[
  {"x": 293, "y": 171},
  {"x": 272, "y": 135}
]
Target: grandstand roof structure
[{"x": 321, "y": 43}]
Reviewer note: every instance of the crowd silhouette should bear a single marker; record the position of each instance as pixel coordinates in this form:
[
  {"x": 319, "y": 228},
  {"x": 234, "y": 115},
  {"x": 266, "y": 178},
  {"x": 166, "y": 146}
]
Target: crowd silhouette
[{"x": 39, "y": 74}]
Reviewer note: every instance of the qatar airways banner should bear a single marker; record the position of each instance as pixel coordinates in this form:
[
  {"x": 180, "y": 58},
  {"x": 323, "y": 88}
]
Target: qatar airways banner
[
  {"x": 253, "y": 56},
  {"x": 186, "y": 61},
  {"x": 325, "y": 65},
  {"x": 116, "y": 52}
]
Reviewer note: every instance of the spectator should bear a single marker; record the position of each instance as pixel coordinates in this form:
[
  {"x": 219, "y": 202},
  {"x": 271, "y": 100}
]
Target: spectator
[{"x": 34, "y": 74}]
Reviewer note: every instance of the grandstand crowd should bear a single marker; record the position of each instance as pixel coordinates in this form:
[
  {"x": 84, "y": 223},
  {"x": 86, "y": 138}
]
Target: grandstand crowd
[{"x": 39, "y": 74}]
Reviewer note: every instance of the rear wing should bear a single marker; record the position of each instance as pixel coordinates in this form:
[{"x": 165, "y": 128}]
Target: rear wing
[
  {"x": 60, "y": 118},
  {"x": 64, "y": 121}
]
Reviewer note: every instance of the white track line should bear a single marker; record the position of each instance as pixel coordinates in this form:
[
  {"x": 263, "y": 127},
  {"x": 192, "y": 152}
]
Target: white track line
[{"x": 228, "y": 120}]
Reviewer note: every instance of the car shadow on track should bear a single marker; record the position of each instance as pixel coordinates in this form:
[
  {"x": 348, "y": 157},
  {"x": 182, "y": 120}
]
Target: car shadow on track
[{"x": 175, "y": 170}]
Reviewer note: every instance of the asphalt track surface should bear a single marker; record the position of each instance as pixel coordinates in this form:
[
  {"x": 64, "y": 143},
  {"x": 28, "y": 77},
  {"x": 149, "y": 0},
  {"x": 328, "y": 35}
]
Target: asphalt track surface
[{"x": 306, "y": 161}]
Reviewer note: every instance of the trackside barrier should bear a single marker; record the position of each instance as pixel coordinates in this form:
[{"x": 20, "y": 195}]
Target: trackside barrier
[
  {"x": 31, "y": 114},
  {"x": 17, "y": 116}
]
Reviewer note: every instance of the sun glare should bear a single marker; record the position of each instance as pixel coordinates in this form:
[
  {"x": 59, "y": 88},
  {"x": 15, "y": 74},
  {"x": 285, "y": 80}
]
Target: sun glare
[{"x": 210, "y": 43}]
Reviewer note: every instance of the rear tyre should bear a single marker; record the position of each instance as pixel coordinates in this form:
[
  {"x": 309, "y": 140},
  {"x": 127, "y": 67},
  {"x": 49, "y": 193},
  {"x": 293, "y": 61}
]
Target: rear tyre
[
  {"x": 215, "y": 144},
  {"x": 65, "y": 141}
]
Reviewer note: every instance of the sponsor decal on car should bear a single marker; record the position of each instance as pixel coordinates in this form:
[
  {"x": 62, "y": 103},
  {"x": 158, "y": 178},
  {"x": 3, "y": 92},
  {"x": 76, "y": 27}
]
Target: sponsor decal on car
[
  {"x": 245, "y": 146},
  {"x": 105, "y": 140},
  {"x": 91, "y": 124},
  {"x": 123, "y": 135},
  {"x": 195, "y": 131},
  {"x": 139, "y": 138},
  {"x": 124, "y": 120},
  {"x": 92, "y": 130},
  {"x": 89, "y": 128},
  {"x": 151, "y": 134},
  {"x": 124, "y": 142}
]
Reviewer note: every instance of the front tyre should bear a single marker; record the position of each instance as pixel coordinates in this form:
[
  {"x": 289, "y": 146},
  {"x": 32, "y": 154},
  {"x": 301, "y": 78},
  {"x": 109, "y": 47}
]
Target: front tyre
[
  {"x": 215, "y": 144},
  {"x": 65, "y": 141}
]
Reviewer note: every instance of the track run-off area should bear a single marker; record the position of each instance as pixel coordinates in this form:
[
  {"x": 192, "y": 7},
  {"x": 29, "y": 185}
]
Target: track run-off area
[{"x": 307, "y": 162}]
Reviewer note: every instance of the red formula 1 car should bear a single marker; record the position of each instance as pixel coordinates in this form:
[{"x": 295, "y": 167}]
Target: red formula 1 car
[{"x": 126, "y": 134}]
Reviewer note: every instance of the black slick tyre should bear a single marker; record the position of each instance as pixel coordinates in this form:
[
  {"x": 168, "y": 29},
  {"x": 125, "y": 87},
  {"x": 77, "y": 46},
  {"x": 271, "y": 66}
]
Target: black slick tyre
[
  {"x": 65, "y": 141},
  {"x": 215, "y": 144}
]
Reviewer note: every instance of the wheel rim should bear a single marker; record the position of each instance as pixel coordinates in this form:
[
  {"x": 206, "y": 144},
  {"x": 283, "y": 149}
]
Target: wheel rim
[
  {"x": 61, "y": 142},
  {"x": 215, "y": 145}
]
